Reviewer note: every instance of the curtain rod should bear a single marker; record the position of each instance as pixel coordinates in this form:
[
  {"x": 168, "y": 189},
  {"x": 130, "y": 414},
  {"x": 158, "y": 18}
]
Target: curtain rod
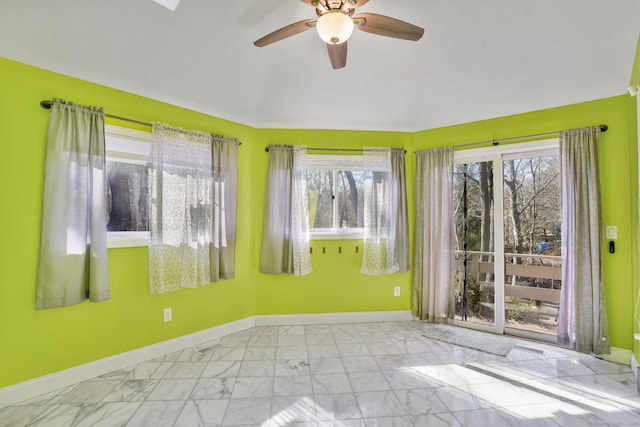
[
  {"x": 603, "y": 128},
  {"x": 46, "y": 104},
  {"x": 358, "y": 150}
]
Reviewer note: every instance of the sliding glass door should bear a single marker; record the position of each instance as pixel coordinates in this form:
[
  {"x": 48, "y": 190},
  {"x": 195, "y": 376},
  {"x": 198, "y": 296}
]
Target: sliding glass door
[{"x": 508, "y": 248}]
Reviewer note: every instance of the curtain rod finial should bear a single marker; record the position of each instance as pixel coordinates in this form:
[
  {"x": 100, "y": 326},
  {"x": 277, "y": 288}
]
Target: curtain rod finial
[
  {"x": 46, "y": 104},
  {"x": 604, "y": 128}
]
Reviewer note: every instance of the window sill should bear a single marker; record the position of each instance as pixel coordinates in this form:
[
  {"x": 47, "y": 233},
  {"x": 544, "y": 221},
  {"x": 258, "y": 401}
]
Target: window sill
[
  {"x": 127, "y": 239},
  {"x": 332, "y": 235}
]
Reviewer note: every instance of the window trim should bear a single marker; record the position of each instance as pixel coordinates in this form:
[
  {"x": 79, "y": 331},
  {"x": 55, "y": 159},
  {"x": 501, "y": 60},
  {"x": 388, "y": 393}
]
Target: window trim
[
  {"x": 498, "y": 154},
  {"x": 133, "y": 146},
  {"x": 338, "y": 234},
  {"x": 127, "y": 239},
  {"x": 534, "y": 148}
]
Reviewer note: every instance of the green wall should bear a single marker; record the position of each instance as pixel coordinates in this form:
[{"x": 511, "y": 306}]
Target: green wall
[
  {"x": 336, "y": 284},
  {"x": 35, "y": 343}
]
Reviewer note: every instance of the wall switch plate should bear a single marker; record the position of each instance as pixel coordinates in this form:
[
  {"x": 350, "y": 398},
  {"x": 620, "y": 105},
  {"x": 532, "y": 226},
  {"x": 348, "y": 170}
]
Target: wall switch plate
[
  {"x": 168, "y": 314},
  {"x": 396, "y": 291},
  {"x": 612, "y": 232}
]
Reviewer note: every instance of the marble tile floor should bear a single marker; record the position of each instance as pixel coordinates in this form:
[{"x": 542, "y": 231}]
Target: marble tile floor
[{"x": 346, "y": 375}]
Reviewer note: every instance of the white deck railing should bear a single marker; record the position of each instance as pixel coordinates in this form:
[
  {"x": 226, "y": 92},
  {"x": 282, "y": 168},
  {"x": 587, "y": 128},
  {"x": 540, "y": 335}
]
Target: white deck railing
[{"x": 541, "y": 267}]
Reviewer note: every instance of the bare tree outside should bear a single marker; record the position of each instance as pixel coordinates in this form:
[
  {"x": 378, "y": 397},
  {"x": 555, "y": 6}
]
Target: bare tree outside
[
  {"x": 473, "y": 213},
  {"x": 127, "y": 201},
  {"x": 320, "y": 186},
  {"x": 531, "y": 239},
  {"x": 532, "y": 205},
  {"x": 342, "y": 188}
]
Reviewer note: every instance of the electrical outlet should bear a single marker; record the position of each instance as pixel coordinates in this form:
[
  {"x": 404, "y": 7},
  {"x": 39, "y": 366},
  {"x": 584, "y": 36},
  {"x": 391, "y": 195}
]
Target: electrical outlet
[
  {"x": 612, "y": 232},
  {"x": 168, "y": 314},
  {"x": 396, "y": 291}
]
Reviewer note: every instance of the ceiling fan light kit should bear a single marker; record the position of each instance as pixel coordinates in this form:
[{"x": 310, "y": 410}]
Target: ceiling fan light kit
[{"x": 335, "y": 25}]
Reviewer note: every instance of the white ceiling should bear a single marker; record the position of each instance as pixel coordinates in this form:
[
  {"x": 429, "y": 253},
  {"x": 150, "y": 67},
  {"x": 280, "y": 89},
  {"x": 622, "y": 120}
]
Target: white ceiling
[{"x": 477, "y": 59}]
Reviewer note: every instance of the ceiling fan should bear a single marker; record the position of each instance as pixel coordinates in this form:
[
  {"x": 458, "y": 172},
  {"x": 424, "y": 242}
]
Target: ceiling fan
[{"x": 335, "y": 24}]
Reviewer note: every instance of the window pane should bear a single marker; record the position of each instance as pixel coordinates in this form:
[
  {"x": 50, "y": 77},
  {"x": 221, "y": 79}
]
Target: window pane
[
  {"x": 127, "y": 209},
  {"x": 474, "y": 220},
  {"x": 350, "y": 199},
  {"x": 532, "y": 205},
  {"x": 338, "y": 204},
  {"x": 320, "y": 184},
  {"x": 532, "y": 243}
]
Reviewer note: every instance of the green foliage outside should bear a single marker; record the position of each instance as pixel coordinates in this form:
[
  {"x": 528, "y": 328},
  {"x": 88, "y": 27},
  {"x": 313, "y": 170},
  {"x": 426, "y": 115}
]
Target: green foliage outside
[{"x": 477, "y": 294}]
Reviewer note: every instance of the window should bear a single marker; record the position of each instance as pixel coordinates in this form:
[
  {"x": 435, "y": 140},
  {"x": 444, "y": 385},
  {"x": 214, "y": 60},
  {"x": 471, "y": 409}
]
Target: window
[
  {"x": 127, "y": 175},
  {"x": 336, "y": 196}
]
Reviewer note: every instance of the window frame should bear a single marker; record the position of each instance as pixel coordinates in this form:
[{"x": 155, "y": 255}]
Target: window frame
[
  {"x": 543, "y": 147},
  {"x": 128, "y": 145},
  {"x": 336, "y": 163},
  {"x": 498, "y": 154}
]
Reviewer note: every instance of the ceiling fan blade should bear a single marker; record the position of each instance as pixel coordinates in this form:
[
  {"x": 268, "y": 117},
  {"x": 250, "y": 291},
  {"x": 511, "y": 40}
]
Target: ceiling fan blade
[
  {"x": 386, "y": 26},
  {"x": 284, "y": 32},
  {"x": 337, "y": 55}
]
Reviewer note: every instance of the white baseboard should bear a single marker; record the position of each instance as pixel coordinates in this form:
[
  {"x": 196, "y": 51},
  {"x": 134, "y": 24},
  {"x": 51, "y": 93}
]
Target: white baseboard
[
  {"x": 618, "y": 355},
  {"x": 48, "y": 383},
  {"x": 329, "y": 318}
]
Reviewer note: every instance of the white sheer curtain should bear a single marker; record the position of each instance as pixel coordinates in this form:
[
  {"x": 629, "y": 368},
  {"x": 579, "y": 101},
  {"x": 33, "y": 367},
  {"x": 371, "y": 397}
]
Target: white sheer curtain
[
  {"x": 582, "y": 318},
  {"x": 73, "y": 247},
  {"x": 379, "y": 228},
  {"x": 433, "y": 253},
  {"x": 300, "y": 214},
  {"x": 285, "y": 231},
  {"x": 192, "y": 209}
]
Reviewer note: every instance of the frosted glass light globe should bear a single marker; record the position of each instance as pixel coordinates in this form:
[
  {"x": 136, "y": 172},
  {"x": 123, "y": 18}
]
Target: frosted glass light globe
[{"x": 334, "y": 27}]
